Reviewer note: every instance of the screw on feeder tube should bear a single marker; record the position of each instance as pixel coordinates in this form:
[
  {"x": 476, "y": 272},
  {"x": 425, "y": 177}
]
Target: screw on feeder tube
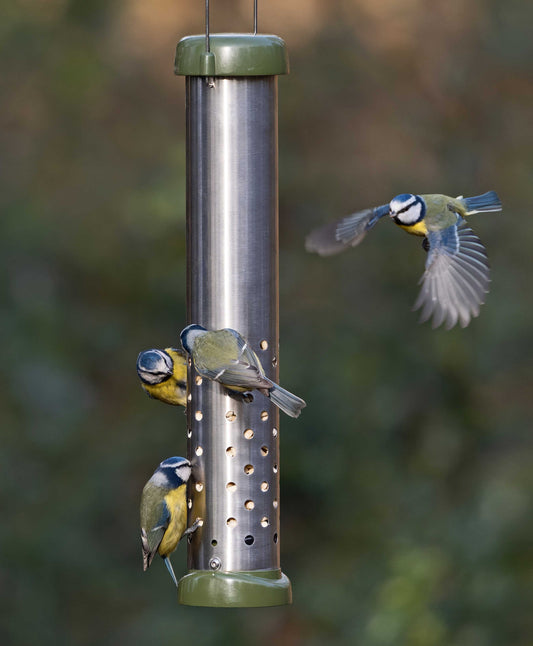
[{"x": 232, "y": 281}]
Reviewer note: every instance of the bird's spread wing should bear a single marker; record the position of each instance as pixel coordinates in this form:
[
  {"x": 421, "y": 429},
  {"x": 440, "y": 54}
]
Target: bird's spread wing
[
  {"x": 456, "y": 278},
  {"x": 152, "y": 534},
  {"x": 333, "y": 237}
]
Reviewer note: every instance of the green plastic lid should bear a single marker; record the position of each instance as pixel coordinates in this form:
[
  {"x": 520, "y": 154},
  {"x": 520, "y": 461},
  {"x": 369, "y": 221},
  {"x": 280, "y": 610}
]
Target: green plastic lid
[{"x": 232, "y": 55}]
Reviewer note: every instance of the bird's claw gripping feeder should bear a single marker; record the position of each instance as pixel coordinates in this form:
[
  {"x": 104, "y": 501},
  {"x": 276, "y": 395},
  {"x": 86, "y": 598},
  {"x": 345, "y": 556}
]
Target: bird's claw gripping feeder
[{"x": 232, "y": 281}]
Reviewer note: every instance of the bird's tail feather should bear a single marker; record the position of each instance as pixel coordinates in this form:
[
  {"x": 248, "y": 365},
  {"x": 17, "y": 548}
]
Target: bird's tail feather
[
  {"x": 170, "y": 569},
  {"x": 486, "y": 202},
  {"x": 286, "y": 401}
]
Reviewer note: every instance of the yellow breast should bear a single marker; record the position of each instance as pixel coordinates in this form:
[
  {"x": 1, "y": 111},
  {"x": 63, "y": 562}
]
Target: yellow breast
[
  {"x": 167, "y": 391},
  {"x": 177, "y": 505},
  {"x": 417, "y": 229}
]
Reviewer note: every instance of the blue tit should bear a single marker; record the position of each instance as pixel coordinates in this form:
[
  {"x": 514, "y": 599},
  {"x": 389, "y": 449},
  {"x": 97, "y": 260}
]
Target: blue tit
[
  {"x": 164, "y": 511},
  {"x": 224, "y": 356},
  {"x": 456, "y": 276},
  {"x": 163, "y": 375}
]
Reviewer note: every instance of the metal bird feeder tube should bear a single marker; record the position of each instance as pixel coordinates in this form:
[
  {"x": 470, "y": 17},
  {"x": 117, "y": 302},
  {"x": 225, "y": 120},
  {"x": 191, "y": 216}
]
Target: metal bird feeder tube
[{"x": 232, "y": 281}]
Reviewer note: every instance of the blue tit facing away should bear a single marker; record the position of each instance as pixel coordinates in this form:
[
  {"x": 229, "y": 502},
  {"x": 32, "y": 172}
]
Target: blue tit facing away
[
  {"x": 163, "y": 375},
  {"x": 224, "y": 356},
  {"x": 164, "y": 511},
  {"x": 456, "y": 278}
]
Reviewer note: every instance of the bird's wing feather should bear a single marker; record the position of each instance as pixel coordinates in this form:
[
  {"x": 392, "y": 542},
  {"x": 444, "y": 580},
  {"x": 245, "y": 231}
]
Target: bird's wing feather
[
  {"x": 456, "y": 278},
  {"x": 244, "y": 370},
  {"x": 154, "y": 522},
  {"x": 334, "y": 237}
]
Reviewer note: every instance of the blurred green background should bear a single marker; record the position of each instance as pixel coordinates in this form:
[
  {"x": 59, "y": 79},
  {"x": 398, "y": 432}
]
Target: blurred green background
[{"x": 406, "y": 483}]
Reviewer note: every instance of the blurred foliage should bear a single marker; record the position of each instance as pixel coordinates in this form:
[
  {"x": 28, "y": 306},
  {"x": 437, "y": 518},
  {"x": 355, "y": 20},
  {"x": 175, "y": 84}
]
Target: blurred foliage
[{"x": 415, "y": 448}]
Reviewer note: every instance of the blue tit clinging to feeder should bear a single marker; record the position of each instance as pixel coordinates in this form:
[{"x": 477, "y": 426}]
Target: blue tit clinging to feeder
[
  {"x": 163, "y": 375},
  {"x": 164, "y": 511},
  {"x": 456, "y": 276},
  {"x": 225, "y": 356}
]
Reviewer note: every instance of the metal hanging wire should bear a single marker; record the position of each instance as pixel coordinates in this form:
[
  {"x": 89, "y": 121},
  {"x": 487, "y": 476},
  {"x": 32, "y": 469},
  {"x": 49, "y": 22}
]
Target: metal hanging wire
[
  {"x": 207, "y": 43},
  {"x": 207, "y": 34}
]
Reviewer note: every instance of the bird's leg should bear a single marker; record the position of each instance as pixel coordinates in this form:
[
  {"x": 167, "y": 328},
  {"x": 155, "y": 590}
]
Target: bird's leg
[{"x": 193, "y": 527}]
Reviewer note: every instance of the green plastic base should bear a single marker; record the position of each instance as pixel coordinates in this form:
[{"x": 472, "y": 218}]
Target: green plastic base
[{"x": 235, "y": 589}]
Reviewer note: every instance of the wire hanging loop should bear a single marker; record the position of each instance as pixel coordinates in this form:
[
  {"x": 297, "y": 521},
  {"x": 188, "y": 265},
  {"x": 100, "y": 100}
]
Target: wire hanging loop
[{"x": 207, "y": 43}]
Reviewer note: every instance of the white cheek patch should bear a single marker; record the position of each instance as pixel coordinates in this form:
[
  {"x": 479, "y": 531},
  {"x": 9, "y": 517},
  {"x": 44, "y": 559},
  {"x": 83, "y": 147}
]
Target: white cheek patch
[
  {"x": 184, "y": 472},
  {"x": 412, "y": 214}
]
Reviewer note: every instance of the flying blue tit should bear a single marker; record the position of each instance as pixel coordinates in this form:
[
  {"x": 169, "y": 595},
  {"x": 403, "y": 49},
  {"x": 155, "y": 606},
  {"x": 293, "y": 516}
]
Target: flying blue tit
[
  {"x": 164, "y": 511},
  {"x": 224, "y": 356},
  {"x": 163, "y": 375},
  {"x": 456, "y": 278}
]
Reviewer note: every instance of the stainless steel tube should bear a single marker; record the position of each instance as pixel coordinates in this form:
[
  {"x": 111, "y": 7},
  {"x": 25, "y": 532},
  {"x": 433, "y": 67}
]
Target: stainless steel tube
[{"x": 232, "y": 281}]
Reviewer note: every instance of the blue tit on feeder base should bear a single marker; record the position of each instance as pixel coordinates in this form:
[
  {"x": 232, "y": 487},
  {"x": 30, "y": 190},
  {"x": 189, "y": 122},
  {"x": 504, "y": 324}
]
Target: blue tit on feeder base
[
  {"x": 225, "y": 356},
  {"x": 456, "y": 276},
  {"x": 164, "y": 511},
  {"x": 163, "y": 375}
]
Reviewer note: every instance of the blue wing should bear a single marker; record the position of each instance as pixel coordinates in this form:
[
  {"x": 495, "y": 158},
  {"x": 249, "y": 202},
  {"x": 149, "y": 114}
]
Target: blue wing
[
  {"x": 456, "y": 278},
  {"x": 334, "y": 237}
]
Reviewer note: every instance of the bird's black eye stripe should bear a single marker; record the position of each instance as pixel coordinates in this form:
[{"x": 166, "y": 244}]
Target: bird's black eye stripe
[
  {"x": 158, "y": 373},
  {"x": 155, "y": 377},
  {"x": 405, "y": 208}
]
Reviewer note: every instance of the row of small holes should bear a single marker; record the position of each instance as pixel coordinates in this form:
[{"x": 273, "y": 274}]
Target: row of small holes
[
  {"x": 231, "y": 416},
  {"x": 231, "y": 452},
  {"x": 248, "y": 470},
  {"x": 231, "y": 486},
  {"x": 274, "y": 502},
  {"x": 248, "y": 433},
  {"x": 232, "y": 522},
  {"x": 248, "y": 539}
]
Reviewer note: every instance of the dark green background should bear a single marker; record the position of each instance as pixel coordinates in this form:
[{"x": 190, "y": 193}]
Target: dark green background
[{"x": 406, "y": 484}]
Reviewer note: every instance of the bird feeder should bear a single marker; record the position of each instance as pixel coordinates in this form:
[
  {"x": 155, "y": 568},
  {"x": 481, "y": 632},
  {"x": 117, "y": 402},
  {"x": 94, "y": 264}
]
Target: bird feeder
[{"x": 232, "y": 281}]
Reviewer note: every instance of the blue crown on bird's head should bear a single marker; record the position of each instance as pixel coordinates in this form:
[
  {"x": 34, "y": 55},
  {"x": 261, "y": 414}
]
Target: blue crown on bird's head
[
  {"x": 153, "y": 366},
  {"x": 188, "y": 335},
  {"x": 172, "y": 472},
  {"x": 407, "y": 208}
]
